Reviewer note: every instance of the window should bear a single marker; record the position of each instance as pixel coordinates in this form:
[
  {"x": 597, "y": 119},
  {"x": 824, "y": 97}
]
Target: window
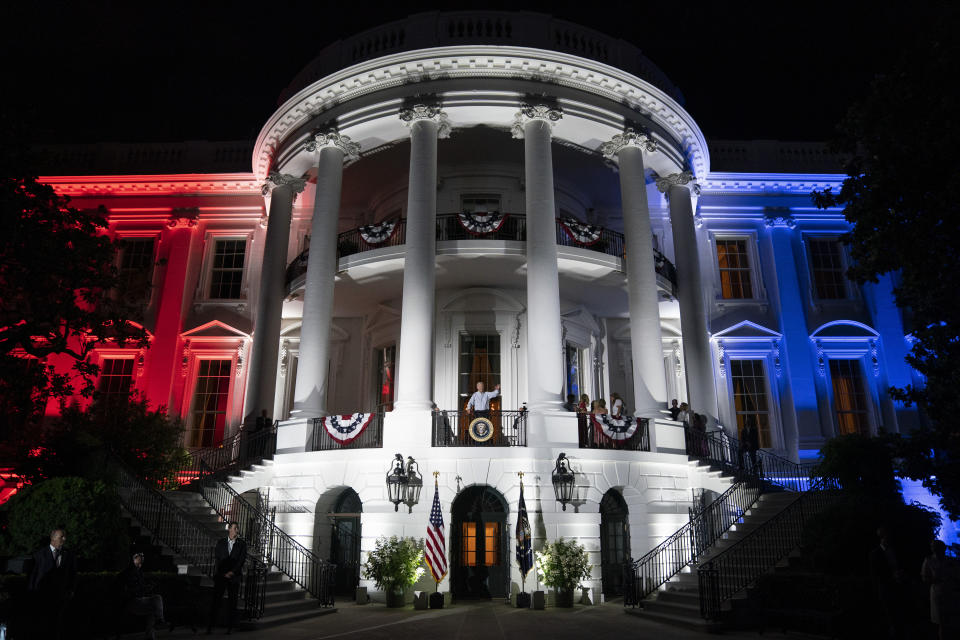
[
  {"x": 479, "y": 362},
  {"x": 574, "y": 370},
  {"x": 209, "y": 412},
  {"x": 116, "y": 378},
  {"x": 479, "y": 203},
  {"x": 136, "y": 263},
  {"x": 386, "y": 376},
  {"x": 226, "y": 274},
  {"x": 826, "y": 269},
  {"x": 849, "y": 399},
  {"x": 485, "y": 552},
  {"x": 749, "y": 381},
  {"x": 734, "y": 269}
]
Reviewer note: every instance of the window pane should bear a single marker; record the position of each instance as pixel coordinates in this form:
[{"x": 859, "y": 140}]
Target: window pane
[
  {"x": 116, "y": 378},
  {"x": 386, "y": 380},
  {"x": 849, "y": 398},
  {"x": 750, "y": 397},
  {"x": 209, "y": 413},
  {"x": 491, "y": 546},
  {"x": 226, "y": 275},
  {"x": 469, "y": 544},
  {"x": 734, "y": 269},
  {"x": 826, "y": 264},
  {"x": 479, "y": 362}
]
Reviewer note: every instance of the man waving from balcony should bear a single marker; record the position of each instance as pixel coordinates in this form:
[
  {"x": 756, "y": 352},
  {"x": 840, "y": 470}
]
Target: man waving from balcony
[{"x": 479, "y": 403}]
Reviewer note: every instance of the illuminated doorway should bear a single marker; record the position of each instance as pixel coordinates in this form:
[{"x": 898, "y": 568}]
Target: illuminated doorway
[{"x": 479, "y": 562}]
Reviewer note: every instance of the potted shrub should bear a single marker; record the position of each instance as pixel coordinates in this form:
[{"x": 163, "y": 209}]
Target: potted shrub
[
  {"x": 393, "y": 565},
  {"x": 562, "y": 564}
]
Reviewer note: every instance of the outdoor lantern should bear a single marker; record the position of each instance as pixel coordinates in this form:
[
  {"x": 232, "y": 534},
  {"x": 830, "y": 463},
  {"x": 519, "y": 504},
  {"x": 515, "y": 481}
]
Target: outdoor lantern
[
  {"x": 397, "y": 483},
  {"x": 563, "y": 480},
  {"x": 414, "y": 484}
]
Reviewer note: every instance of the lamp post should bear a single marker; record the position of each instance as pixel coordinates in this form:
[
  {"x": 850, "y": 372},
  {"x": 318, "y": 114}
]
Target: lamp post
[
  {"x": 563, "y": 480},
  {"x": 404, "y": 482}
]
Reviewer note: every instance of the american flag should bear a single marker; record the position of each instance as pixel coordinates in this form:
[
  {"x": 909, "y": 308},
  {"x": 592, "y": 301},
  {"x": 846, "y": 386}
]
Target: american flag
[{"x": 436, "y": 547}]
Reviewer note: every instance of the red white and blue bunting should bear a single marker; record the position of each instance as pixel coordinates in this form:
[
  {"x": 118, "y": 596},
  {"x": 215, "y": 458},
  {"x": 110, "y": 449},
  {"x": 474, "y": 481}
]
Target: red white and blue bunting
[
  {"x": 481, "y": 223},
  {"x": 345, "y": 429},
  {"x": 581, "y": 233},
  {"x": 378, "y": 233},
  {"x": 618, "y": 429}
]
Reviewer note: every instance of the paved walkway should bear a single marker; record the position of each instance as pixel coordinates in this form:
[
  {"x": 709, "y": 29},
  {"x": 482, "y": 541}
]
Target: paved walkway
[{"x": 480, "y": 621}]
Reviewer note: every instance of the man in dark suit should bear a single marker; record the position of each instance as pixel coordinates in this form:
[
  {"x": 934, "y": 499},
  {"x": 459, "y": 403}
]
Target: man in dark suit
[
  {"x": 230, "y": 554},
  {"x": 51, "y": 583}
]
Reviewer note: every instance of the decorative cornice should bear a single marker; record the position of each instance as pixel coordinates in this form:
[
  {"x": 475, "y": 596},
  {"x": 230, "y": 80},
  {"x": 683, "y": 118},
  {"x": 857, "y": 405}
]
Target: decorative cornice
[
  {"x": 629, "y": 138},
  {"x": 330, "y": 138},
  {"x": 528, "y": 112},
  {"x": 277, "y": 180},
  {"x": 679, "y": 179},
  {"x": 418, "y": 112},
  {"x": 154, "y": 185}
]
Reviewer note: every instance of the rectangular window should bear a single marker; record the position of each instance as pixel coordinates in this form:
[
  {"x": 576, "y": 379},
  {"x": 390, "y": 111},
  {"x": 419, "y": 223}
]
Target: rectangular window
[
  {"x": 226, "y": 274},
  {"x": 574, "y": 370},
  {"x": 209, "y": 413},
  {"x": 386, "y": 376},
  {"x": 734, "y": 269},
  {"x": 469, "y": 544},
  {"x": 849, "y": 399},
  {"x": 749, "y": 381},
  {"x": 491, "y": 543},
  {"x": 136, "y": 261},
  {"x": 479, "y": 362},
  {"x": 479, "y": 203},
  {"x": 827, "y": 272},
  {"x": 116, "y": 378}
]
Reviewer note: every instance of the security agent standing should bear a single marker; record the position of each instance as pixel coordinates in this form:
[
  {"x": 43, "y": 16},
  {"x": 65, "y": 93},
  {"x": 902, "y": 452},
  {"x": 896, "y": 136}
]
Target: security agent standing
[
  {"x": 52, "y": 582},
  {"x": 230, "y": 554},
  {"x": 480, "y": 401}
]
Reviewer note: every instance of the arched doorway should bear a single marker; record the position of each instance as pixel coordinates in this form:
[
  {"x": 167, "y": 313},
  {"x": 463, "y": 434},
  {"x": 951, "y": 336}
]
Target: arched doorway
[
  {"x": 479, "y": 566},
  {"x": 345, "y": 541},
  {"x": 614, "y": 542}
]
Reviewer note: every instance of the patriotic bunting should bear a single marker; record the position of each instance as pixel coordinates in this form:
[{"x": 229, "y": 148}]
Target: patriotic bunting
[
  {"x": 482, "y": 223},
  {"x": 618, "y": 429},
  {"x": 581, "y": 233},
  {"x": 378, "y": 233},
  {"x": 345, "y": 429},
  {"x": 436, "y": 545}
]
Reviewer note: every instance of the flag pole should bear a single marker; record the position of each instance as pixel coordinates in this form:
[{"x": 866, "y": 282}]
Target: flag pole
[
  {"x": 436, "y": 487},
  {"x": 523, "y": 576}
]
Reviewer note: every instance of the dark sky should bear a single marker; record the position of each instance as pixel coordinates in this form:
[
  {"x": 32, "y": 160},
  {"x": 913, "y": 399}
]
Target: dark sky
[{"x": 163, "y": 71}]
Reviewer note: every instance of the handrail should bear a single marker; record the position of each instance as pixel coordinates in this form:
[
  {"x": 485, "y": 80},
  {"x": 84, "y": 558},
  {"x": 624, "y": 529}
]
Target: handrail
[
  {"x": 684, "y": 547},
  {"x": 740, "y": 565},
  {"x": 176, "y": 529},
  {"x": 273, "y": 545},
  {"x": 719, "y": 449},
  {"x": 232, "y": 454},
  {"x": 589, "y": 437},
  {"x": 452, "y": 429}
]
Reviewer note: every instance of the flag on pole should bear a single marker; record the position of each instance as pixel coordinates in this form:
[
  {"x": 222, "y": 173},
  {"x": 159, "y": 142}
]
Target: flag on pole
[
  {"x": 524, "y": 548},
  {"x": 436, "y": 547}
]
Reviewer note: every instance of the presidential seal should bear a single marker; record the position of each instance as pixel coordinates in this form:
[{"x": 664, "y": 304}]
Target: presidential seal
[{"x": 481, "y": 429}]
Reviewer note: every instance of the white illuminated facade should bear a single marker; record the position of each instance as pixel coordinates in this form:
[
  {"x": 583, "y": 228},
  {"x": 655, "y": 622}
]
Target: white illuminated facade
[{"x": 625, "y": 263}]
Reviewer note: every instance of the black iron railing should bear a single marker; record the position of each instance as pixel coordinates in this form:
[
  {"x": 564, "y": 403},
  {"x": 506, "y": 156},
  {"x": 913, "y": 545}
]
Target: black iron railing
[
  {"x": 370, "y": 438},
  {"x": 719, "y": 449},
  {"x": 610, "y": 241},
  {"x": 452, "y": 429},
  {"x": 739, "y": 566},
  {"x": 514, "y": 227},
  {"x": 685, "y": 546},
  {"x": 174, "y": 528},
  {"x": 235, "y": 453},
  {"x": 591, "y": 436}
]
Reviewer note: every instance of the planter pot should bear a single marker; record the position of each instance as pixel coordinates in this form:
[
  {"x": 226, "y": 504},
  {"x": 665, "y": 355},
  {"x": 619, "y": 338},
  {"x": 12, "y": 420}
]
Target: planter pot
[
  {"x": 395, "y": 597},
  {"x": 564, "y": 598},
  {"x": 523, "y": 600}
]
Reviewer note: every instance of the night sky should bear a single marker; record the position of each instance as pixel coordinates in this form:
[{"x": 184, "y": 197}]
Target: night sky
[{"x": 166, "y": 71}]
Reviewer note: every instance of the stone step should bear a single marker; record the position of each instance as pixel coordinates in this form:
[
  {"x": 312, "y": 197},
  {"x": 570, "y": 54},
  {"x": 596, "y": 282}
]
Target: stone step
[
  {"x": 696, "y": 623},
  {"x": 276, "y": 620}
]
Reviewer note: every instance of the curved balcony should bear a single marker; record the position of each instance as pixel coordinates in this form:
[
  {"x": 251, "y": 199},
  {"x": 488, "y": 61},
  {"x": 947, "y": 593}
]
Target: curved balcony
[{"x": 514, "y": 228}]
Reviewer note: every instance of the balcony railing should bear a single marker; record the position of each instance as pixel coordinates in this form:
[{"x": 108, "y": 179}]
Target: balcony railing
[
  {"x": 592, "y": 437},
  {"x": 452, "y": 429},
  {"x": 370, "y": 438},
  {"x": 514, "y": 228}
]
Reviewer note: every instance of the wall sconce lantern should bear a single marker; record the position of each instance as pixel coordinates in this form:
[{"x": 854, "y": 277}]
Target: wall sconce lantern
[
  {"x": 404, "y": 482},
  {"x": 563, "y": 480}
]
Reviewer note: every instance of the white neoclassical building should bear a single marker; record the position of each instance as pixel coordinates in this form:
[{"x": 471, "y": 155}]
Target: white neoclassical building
[{"x": 501, "y": 198}]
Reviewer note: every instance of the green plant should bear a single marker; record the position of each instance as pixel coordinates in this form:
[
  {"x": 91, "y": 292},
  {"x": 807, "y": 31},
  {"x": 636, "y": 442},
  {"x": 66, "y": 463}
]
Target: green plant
[
  {"x": 563, "y": 564},
  {"x": 395, "y": 563}
]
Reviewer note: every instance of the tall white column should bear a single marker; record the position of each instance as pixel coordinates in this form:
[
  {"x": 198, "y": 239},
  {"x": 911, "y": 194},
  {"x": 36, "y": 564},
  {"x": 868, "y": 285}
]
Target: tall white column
[
  {"x": 649, "y": 379},
  {"x": 310, "y": 395},
  {"x": 415, "y": 357},
  {"x": 693, "y": 316},
  {"x": 262, "y": 377},
  {"x": 544, "y": 339}
]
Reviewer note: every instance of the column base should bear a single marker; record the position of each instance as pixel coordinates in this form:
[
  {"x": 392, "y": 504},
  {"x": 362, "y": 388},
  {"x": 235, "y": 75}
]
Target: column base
[
  {"x": 293, "y": 435},
  {"x": 404, "y": 430}
]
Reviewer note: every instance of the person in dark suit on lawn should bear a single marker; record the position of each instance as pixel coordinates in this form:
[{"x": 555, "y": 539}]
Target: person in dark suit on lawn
[
  {"x": 51, "y": 583},
  {"x": 230, "y": 554}
]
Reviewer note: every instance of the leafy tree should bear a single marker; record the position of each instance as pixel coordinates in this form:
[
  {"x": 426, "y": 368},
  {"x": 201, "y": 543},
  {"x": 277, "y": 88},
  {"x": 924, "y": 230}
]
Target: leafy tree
[{"x": 900, "y": 195}]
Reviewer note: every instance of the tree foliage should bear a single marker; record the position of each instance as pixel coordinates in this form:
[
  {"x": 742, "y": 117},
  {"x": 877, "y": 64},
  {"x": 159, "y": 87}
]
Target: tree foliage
[{"x": 900, "y": 195}]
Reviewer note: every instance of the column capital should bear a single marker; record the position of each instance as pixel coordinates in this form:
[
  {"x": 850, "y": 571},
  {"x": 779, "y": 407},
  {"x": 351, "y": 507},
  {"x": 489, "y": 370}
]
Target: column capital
[
  {"x": 275, "y": 180},
  {"x": 434, "y": 113},
  {"x": 779, "y": 217},
  {"x": 677, "y": 179},
  {"x": 629, "y": 138},
  {"x": 528, "y": 112},
  {"x": 331, "y": 138}
]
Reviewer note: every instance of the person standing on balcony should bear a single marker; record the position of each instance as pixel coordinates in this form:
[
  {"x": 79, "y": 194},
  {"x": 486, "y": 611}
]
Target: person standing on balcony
[
  {"x": 479, "y": 403},
  {"x": 229, "y": 555},
  {"x": 616, "y": 405},
  {"x": 674, "y": 410}
]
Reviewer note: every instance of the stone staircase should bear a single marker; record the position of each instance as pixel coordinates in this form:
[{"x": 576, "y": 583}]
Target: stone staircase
[{"x": 678, "y": 603}]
